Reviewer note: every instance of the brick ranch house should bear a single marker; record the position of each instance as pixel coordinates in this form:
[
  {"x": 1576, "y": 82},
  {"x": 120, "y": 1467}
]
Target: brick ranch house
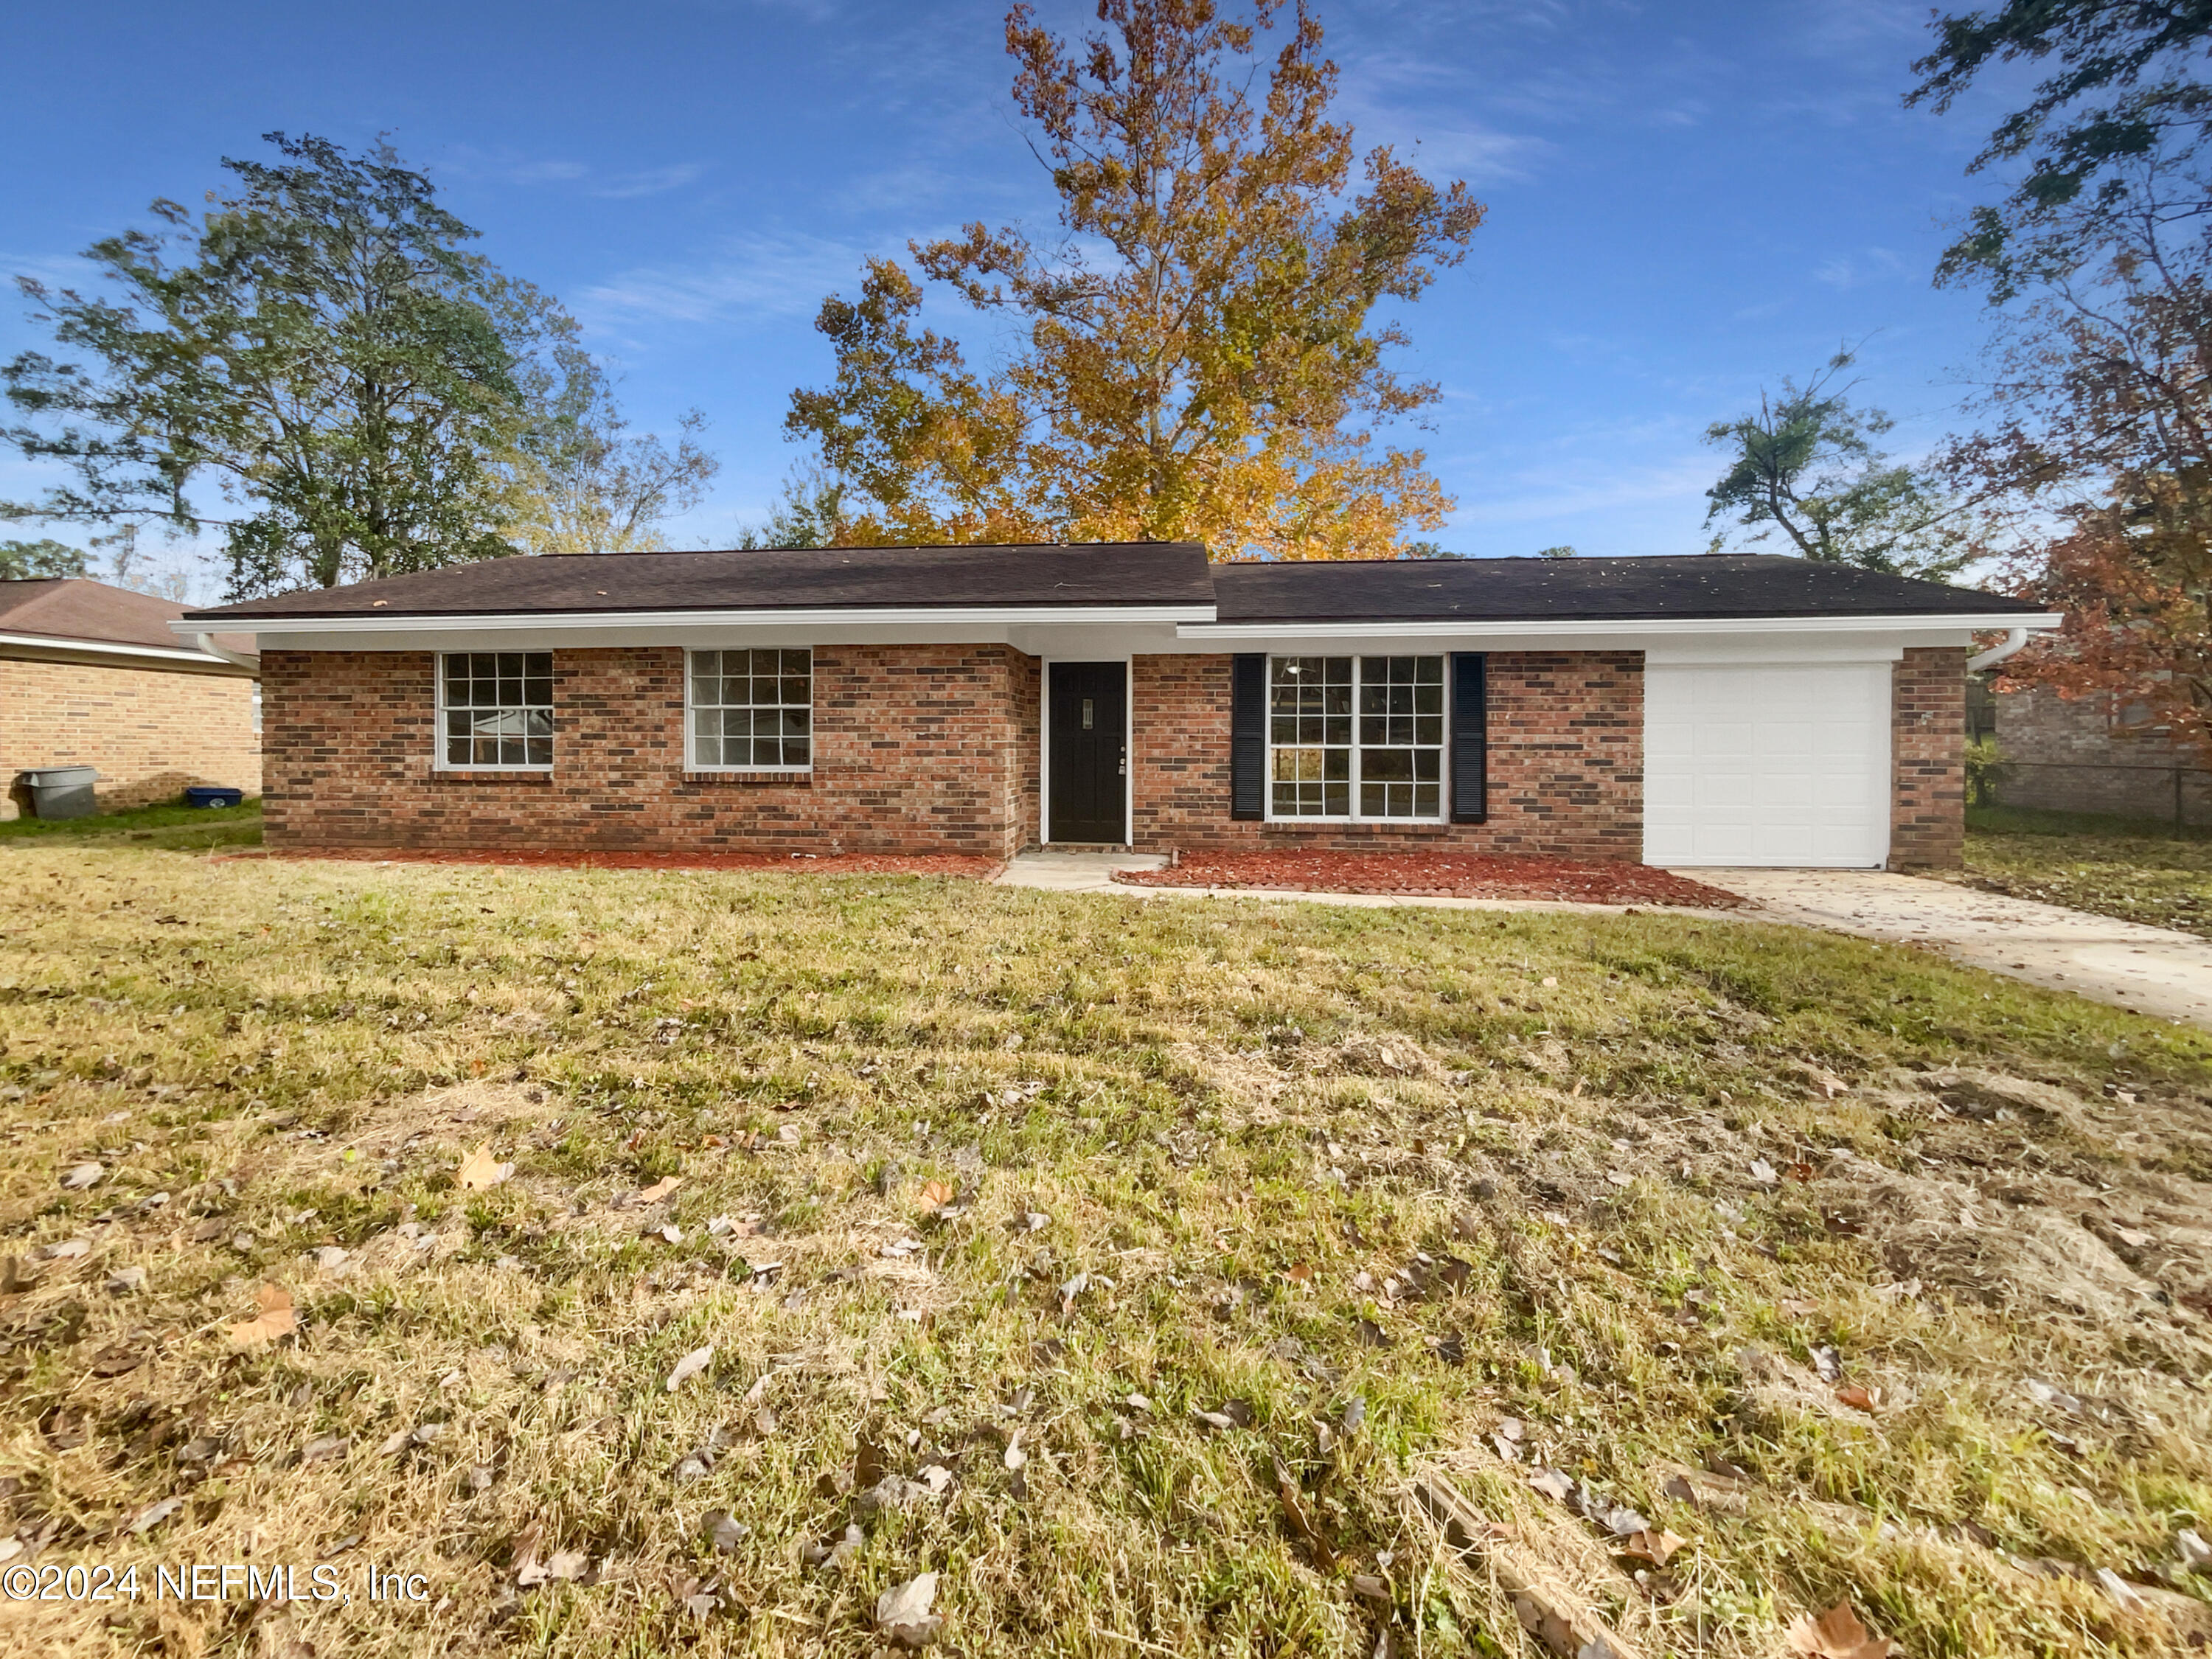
[
  {"x": 1705, "y": 710},
  {"x": 93, "y": 675}
]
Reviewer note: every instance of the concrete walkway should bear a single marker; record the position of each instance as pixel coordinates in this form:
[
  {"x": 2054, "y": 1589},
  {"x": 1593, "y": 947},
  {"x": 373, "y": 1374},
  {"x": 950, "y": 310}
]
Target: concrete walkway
[{"x": 2152, "y": 970}]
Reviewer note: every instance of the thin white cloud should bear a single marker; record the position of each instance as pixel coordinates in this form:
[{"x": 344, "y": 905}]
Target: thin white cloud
[
  {"x": 1873, "y": 264},
  {"x": 464, "y": 161},
  {"x": 751, "y": 276}
]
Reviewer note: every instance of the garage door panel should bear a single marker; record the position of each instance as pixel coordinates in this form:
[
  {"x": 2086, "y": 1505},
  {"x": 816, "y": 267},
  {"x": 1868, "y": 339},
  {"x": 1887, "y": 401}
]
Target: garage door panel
[{"x": 1769, "y": 764}]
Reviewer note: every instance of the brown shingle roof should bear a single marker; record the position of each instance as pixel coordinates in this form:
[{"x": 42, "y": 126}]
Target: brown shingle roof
[
  {"x": 76, "y": 608},
  {"x": 776, "y": 578}
]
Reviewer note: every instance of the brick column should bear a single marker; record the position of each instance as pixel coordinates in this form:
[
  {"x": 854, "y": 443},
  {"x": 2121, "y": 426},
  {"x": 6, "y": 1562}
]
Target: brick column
[{"x": 1928, "y": 740}]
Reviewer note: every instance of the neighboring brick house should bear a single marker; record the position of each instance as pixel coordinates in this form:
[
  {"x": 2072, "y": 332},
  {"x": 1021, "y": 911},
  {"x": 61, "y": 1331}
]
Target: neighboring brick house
[
  {"x": 1701, "y": 710},
  {"x": 92, "y": 675},
  {"x": 2093, "y": 753}
]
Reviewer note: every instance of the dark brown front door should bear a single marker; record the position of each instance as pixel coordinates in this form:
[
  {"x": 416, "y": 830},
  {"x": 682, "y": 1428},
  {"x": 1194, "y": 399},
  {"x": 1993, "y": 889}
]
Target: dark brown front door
[{"x": 1085, "y": 712}]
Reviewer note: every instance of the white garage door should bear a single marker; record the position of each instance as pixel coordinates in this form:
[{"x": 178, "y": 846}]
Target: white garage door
[{"x": 1780, "y": 764}]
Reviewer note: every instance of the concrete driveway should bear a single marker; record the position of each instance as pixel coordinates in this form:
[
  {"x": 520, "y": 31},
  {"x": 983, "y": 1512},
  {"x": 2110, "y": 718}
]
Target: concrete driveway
[{"x": 2152, "y": 970}]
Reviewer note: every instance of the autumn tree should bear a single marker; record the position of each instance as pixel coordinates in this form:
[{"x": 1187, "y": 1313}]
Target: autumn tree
[
  {"x": 2094, "y": 465},
  {"x": 1198, "y": 351},
  {"x": 1806, "y": 465},
  {"x": 316, "y": 369}
]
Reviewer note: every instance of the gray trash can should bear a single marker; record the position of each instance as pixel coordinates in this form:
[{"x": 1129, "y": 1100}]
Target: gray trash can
[{"x": 61, "y": 792}]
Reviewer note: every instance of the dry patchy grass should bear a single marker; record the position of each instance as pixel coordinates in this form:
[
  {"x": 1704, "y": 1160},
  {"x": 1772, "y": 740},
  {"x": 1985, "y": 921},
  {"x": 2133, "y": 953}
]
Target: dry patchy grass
[{"x": 1376, "y": 1181}]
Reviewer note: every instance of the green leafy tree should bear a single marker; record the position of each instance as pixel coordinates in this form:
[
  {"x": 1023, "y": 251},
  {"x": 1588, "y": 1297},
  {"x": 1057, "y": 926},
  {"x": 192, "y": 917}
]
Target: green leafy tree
[
  {"x": 45, "y": 558},
  {"x": 1562, "y": 552},
  {"x": 2122, "y": 87},
  {"x": 1195, "y": 353},
  {"x": 1805, "y": 465},
  {"x": 315, "y": 368}
]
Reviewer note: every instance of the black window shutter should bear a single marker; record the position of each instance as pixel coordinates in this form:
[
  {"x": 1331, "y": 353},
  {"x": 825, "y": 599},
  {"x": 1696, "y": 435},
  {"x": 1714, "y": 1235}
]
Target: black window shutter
[
  {"x": 1247, "y": 736},
  {"x": 1470, "y": 738}
]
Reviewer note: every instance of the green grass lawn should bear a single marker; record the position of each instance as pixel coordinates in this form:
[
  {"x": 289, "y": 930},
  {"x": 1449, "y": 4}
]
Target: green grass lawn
[
  {"x": 172, "y": 826},
  {"x": 1869, "y": 1278},
  {"x": 2113, "y": 867}
]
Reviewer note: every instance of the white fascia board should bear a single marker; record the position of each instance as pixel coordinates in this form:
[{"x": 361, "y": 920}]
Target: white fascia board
[
  {"x": 657, "y": 626},
  {"x": 1626, "y": 632},
  {"x": 113, "y": 649}
]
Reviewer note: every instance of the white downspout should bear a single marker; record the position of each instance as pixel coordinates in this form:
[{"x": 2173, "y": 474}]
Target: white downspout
[
  {"x": 236, "y": 660},
  {"x": 2014, "y": 640}
]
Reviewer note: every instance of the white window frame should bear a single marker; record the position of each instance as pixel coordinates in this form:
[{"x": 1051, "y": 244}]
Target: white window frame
[
  {"x": 444, "y": 764},
  {"x": 1443, "y": 814},
  {"x": 690, "y": 731}
]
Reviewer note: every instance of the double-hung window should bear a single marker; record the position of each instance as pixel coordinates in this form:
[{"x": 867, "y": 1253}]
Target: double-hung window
[
  {"x": 1357, "y": 737},
  {"x": 751, "y": 711},
  {"x": 495, "y": 711}
]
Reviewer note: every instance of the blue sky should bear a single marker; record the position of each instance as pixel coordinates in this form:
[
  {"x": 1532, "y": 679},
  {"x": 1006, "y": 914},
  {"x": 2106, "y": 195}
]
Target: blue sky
[{"x": 1687, "y": 200}]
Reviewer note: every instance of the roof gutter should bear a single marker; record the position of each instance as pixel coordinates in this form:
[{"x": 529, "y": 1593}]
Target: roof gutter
[
  {"x": 815, "y": 616},
  {"x": 1541, "y": 628},
  {"x": 116, "y": 648},
  {"x": 2014, "y": 639}
]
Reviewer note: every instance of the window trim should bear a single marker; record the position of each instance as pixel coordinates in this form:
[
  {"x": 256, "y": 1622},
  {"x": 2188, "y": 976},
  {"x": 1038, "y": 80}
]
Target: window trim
[
  {"x": 439, "y": 761},
  {"x": 1442, "y": 817},
  {"x": 691, "y": 763}
]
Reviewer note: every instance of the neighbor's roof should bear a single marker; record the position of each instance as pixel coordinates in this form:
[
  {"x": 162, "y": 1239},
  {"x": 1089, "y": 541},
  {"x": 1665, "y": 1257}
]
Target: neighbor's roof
[
  {"x": 1704, "y": 585},
  {"x": 76, "y": 610},
  {"x": 1116, "y": 574}
]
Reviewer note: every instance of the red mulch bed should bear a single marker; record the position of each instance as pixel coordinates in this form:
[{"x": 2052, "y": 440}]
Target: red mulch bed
[
  {"x": 972, "y": 868},
  {"x": 1437, "y": 875}
]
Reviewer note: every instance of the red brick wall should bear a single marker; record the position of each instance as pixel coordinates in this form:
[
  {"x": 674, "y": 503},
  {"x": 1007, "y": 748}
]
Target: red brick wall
[
  {"x": 148, "y": 731},
  {"x": 1928, "y": 737},
  {"x": 1566, "y": 762},
  {"x": 916, "y": 749}
]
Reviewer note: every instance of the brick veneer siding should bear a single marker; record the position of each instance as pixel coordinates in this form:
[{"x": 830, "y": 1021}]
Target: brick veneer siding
[
  {"x": 150, "y": 731},
  {"x": 1927, "y": 739},
  {"x": 2083, "y": 754},
  {"x": 1566, "y": 762},
  {"x": 917, "y": 749}
]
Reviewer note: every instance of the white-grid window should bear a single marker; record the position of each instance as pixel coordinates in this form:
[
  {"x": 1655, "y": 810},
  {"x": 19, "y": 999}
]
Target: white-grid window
[
  {"x": 496, "y": 710},
  {"x": 751, "y": 711},
  {"x": 1355, "y": 737}
]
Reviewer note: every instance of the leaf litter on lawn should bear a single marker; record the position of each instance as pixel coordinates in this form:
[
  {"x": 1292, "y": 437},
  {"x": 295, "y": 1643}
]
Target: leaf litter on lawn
[{"x": 1252, "y": 1133}]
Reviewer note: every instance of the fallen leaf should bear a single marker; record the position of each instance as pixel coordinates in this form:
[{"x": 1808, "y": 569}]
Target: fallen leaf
[
  {"x": 116, "y": 1359},
  {"x": 1835, "y": 1634},
  {"x": 1656, "y": 1548},
  {"x": 903, "y": 1614},
  {"x": 480, "y": 1169},
  {"x": 1859, "y": 1399},
  {"x": 1553, "y": 1484},
  {"x": 1233, "y": 1414},
  {"x": 83, "y": 1176},
  {"x": 1286, "y": 1493},
  {"x": 2132, "y": 1239},
  {"x": 153, "y": 1516},
  {"x": 936, "y": 1195},
  {"x": 725, "y": 1531},
  {"x": 276, "y": 1319},
  {"x": 1763, "y": 1172},
  {"x": 690, "y": 1366},
  {"x": 659, "y": 1189}
]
